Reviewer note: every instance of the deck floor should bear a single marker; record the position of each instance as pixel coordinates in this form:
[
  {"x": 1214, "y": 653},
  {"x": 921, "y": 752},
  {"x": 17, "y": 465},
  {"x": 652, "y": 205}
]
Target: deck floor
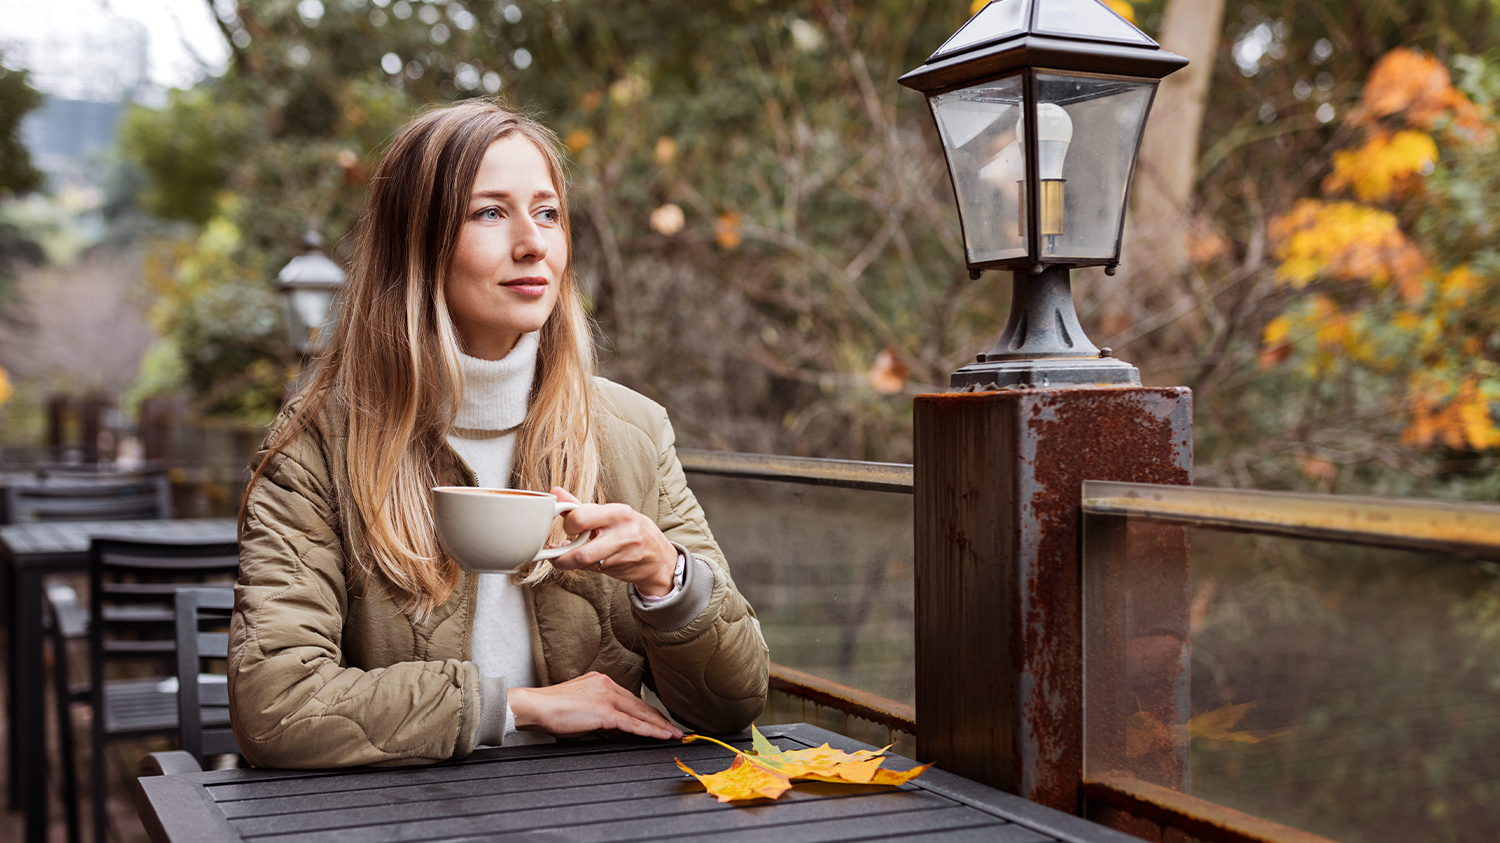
[{"x": 125, "y": 827}]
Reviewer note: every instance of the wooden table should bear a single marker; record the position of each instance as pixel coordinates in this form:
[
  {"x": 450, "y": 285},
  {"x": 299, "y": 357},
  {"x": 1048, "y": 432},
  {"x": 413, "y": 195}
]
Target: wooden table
[
  {"x": 605, "y": 791},
  {"x": 28, "y": 554}
]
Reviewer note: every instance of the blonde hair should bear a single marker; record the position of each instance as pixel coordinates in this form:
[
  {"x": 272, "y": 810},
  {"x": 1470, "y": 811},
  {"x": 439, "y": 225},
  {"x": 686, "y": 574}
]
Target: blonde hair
[{"x": 393, "y": 360}]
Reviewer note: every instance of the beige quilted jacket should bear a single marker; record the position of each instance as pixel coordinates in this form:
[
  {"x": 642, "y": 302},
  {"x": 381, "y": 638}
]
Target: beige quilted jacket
[{"x": 321, "y": 676}]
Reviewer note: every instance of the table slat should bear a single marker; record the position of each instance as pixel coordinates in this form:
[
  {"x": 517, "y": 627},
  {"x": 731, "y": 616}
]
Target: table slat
[
  {"x": 412, "y": 779},
  {"x": 682, "y": 814}
]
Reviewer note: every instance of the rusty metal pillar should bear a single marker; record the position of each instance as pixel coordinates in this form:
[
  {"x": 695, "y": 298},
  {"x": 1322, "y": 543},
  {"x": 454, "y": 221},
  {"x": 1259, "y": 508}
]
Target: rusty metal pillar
[{"x": 998, "y": 478}]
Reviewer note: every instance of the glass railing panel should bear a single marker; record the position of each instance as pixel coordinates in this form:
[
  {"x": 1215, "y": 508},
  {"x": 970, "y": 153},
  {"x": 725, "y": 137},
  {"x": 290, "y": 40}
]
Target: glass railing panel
[
  {"x": 1340, "y": 689},
  {"x": 829, "y": 572}
]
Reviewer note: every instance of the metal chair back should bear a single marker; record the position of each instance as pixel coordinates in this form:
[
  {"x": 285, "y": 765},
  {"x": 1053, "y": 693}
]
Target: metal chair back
[
  {"x": 77, "y": 498},
  {"x": 203, "y": 697},
  {"x": 132, "y": 620}
]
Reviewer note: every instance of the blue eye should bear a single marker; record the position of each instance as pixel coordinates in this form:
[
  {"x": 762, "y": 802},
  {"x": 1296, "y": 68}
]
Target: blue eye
[
  {"x": 489, "y": 214},
  {"x": 549, "y": 214}
]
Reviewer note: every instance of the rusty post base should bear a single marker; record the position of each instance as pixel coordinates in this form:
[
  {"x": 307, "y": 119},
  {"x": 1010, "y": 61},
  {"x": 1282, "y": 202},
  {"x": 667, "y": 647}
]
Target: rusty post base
[{"x": 998, "y": 478}]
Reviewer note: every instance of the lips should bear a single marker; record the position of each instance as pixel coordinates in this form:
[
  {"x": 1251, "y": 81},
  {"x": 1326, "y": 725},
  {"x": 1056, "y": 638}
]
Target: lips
[{"x": 533, "y": 285}]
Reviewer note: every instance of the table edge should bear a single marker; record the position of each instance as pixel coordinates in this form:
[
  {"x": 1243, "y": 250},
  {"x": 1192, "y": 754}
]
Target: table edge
[{"x": 187, "y": 799}]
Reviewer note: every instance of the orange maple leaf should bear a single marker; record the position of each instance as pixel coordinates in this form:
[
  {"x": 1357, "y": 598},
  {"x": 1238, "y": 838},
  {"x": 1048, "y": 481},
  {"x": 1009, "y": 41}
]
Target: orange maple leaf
[
  {"x": 744, "y": 779},
  {"x": 760, "y": 773}
]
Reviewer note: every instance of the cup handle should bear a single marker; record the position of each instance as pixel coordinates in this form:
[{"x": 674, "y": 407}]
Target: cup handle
[{"x": 554, "y": 552}]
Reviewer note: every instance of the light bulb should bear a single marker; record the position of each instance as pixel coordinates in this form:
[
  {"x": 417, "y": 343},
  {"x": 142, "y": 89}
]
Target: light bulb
[{"x": 1054, "y": 133}]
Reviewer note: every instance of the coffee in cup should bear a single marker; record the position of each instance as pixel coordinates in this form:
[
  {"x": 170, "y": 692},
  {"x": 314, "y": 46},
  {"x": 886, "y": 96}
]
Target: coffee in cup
[{"x": 498, "y": 531}]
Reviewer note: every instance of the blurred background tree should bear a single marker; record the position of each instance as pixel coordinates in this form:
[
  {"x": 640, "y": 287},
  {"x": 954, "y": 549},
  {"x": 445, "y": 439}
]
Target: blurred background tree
[
  {"x": 18, "y": 176},
  {"x": 765, "y": 230}
]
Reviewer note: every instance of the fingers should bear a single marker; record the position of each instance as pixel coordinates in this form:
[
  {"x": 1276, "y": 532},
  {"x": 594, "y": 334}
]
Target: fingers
[{"x": 590, "y": 703}]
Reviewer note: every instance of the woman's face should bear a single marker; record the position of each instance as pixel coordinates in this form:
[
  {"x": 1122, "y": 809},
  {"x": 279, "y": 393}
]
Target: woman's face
[{"x": 508, "y": 266}]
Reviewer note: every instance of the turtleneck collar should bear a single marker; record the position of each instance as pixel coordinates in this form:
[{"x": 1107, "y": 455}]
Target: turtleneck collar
[{"x": 496, "y": 392}]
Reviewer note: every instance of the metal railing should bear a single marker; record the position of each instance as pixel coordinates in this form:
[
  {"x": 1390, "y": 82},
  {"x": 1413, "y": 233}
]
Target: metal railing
[
  {"x": 1457, "y": 529},
  {"x": 840, "y": 708},
  {"x": 845, "y": 474}
]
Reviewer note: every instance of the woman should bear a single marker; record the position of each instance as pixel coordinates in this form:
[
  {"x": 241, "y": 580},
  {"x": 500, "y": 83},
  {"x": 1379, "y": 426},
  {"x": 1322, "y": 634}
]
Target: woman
[{"x": 462, "y": 356}]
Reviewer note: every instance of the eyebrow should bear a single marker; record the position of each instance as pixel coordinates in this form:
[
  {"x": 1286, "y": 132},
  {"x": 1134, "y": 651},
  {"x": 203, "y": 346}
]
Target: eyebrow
[{"x": 502, "y": 194}]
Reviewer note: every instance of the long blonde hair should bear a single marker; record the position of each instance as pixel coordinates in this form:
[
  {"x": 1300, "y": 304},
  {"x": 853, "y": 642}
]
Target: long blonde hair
[{"x": 393, "y": 360}]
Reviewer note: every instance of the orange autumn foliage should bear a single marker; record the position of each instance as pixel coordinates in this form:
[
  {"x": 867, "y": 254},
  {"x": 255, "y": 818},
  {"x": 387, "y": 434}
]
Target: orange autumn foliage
[
  {"x": 1418, "y": 89},
  {"x": 1389, "y": 297},
  {"x": 1461, "y": 420}
]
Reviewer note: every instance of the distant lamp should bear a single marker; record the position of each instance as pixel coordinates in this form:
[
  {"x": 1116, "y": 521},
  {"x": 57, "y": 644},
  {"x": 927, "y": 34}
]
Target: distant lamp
[
  {"x": 1045, "y": 99},
  {"x": 307, "y": 285}
]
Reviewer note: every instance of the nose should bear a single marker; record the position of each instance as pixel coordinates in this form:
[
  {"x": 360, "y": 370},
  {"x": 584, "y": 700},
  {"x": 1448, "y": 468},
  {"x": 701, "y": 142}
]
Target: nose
[{"x": 529, "y": 245}]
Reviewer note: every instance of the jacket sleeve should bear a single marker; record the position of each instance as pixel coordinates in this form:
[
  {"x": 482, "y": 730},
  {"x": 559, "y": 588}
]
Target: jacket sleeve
[
  {"x": 293, "y": 701},
  {"x": 710, "y": 666}
]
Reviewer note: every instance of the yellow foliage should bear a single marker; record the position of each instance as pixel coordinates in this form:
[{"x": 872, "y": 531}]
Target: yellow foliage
[
  {"x": 1333, "y": 331},
  {"x": 1460, "y": 421},
  {"x": 1277, "y": 330},
  {"x": 6, "y": 390},
  {"x": 1345, "y": 241},
  {"x": 1416, "y": 87},
  {"x": 1456, "y": 286},
  {"x": 1383, "y": 164}
]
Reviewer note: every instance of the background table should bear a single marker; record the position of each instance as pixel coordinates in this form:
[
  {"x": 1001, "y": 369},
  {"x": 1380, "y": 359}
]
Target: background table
[
  {"x": 28, "y": 554},
  {"x": 606, "y": 791}
]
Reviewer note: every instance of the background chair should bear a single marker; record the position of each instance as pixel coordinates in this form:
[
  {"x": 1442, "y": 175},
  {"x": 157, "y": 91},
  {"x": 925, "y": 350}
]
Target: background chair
[
  {"x": 132, "y": 636},
  {"x": 202, "y": 693},
  {"x": 89, "y": 498}
]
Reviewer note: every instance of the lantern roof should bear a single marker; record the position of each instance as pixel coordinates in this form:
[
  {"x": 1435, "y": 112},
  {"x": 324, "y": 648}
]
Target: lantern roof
[
  {"x": 1078, "y": 35},
  {"x": 312, "y": 268}
]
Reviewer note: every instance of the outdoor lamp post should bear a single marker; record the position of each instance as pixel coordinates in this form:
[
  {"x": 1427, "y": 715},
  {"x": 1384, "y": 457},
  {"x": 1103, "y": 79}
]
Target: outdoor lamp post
[
  {"x": 307, "y": 285},
  {"x": 1040, "y": 106},
  {"x": 1043, "y": 99}
]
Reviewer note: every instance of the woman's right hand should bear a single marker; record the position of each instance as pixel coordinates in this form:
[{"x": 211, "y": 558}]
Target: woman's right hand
[{"x": 590, "y": 703}]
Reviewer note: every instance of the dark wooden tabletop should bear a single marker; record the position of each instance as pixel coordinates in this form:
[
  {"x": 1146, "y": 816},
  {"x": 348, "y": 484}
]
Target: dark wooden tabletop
[
  {"x": 604, "y": 791},
  {"x": 45, "y": 540}
]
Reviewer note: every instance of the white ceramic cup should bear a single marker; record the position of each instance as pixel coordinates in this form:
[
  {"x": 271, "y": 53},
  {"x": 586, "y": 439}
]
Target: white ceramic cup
[{"x": 498, "y": 531}]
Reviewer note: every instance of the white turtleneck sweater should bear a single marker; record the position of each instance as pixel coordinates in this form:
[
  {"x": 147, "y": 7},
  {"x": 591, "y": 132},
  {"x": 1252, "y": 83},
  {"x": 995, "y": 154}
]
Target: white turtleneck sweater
[{"x": 496, "y": 393}]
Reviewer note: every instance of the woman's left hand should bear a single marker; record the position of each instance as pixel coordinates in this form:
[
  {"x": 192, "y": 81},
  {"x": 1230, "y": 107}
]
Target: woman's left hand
[{"x": 626, "y": 545}]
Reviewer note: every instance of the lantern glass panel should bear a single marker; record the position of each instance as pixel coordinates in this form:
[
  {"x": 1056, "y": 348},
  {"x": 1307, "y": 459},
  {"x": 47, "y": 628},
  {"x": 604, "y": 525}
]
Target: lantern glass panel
[
  {"x": 1089, "y": 131},
  {"x": 308, "y": 312},
  {"x": 999, "y": 19},
  {"x": 988, "y": 165},
  {"x": 1087, "y": 19}
]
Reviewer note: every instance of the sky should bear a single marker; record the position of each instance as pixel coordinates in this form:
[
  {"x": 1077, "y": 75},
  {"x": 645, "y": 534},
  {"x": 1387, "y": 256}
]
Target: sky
[{"x": 179, "y": 30}]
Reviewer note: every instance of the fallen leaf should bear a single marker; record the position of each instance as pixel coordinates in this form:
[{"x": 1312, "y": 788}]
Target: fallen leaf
[
  {"x": 744, "y": 779},
  {"x": 758, "y": 773},
  {"x": 1217, "y": 725}
]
